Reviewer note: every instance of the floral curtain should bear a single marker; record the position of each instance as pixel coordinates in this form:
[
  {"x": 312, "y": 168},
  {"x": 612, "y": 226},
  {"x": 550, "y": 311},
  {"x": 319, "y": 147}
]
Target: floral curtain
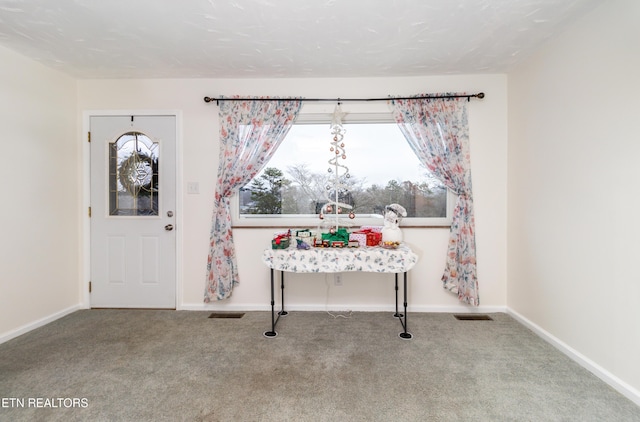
[
  {"x": 437, "y": 130},
  {"x": 250, "y": 133}
]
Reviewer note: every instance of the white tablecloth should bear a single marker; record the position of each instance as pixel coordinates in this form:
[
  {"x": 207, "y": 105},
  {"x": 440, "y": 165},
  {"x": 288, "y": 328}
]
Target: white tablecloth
[{"x": 337, "y": 260}]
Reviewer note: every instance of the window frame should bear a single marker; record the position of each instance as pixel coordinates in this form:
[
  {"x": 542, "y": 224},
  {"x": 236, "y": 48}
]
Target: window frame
[{"x": 315, "y": 115}]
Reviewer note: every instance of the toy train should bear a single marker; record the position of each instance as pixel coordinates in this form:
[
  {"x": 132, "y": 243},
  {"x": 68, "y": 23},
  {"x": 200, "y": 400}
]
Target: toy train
[{"x": 318, "y": 243}]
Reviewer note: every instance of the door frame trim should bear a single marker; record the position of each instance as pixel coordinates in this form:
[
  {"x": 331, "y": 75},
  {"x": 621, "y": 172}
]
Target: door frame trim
[{"x": 85, "y": 229}]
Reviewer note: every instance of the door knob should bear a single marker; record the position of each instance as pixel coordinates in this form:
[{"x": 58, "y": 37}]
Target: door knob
[{"x": 168, "y": 227}]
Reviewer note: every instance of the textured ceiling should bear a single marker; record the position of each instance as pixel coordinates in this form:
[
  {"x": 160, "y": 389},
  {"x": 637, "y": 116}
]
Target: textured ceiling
[{"x": 281, "y": 38}]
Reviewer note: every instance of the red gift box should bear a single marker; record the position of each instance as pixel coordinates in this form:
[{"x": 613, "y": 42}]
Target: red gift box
[{"x": 373, "y": 238}]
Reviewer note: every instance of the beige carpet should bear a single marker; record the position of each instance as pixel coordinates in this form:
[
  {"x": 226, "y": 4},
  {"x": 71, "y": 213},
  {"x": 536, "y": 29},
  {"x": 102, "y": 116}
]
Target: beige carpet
[{"x": 133, "y": 365}]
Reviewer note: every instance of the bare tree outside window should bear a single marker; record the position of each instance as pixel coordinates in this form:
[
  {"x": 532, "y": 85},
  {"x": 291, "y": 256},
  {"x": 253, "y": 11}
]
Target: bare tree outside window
[{"x": 383, "y": 170}]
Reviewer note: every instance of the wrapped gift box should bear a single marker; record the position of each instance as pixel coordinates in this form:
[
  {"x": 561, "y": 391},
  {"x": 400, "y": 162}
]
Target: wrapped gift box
[
  {"x": 341, "y": 235},
  {"x": 361, "y": 238},
  {"x": 280, "y": 243},
  {"x": 306, "y": 235},
  {"x": 281, "y": 240},
  {"x": 375, "y": 229},
  {"x": 371, "y": 238}
]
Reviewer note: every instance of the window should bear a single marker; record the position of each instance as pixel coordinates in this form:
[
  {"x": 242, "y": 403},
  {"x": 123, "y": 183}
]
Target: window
[
  {"x": 382, "y": 169},
  {"x": 133, "y": 175}
]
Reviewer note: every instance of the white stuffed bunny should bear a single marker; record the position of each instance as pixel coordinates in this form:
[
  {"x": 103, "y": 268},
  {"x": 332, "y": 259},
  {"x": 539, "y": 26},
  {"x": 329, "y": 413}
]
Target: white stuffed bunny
[{"x": 392, "y": 215}]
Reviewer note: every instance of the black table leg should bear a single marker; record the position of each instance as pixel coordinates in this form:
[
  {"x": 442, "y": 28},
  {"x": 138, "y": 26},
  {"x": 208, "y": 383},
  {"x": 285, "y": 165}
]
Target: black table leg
[
  {"x": 282, "y": 311},
  {"x": 405, "y": 335},
  {"x": 397, "y": 314},
  {"x": 273, "y": 332},
  {"x": 274, "y": 319}
]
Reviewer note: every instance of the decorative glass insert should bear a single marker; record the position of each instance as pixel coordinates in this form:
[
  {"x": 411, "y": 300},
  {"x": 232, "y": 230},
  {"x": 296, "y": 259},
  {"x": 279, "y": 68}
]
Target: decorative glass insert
[{"x": 133, "y": 175}]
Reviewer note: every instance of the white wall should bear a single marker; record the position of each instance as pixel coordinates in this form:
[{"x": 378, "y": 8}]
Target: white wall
[
  {"x": 574, "y": 190},
  {"x": 199, "y": 139},
  {"x": 39, "y": 261}
]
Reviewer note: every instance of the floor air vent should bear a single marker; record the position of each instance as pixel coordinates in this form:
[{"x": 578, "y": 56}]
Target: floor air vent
[
  {"x": 227, "y": 315},
  {"x": 473, "y": 317}
]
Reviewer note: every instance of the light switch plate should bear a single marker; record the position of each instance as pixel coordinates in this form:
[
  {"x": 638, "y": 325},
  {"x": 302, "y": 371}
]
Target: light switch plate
[{"x": 193, "y": 187}]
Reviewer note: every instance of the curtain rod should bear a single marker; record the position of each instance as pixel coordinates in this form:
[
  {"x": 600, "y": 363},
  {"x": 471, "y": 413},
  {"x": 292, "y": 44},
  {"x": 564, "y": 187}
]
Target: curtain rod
[{"x": 342, "y": 100}]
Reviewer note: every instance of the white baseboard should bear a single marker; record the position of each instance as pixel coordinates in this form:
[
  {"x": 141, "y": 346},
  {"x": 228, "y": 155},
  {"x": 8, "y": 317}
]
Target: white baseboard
[
  {"x": 459, "y": 309},
  {"x": 293, "y": 307},
  {"x": 334, "y": 308},
  {"x": 39, "y": 323},
  {"x": 606, "y": 376},
  {"x": 221, "y": 306}
]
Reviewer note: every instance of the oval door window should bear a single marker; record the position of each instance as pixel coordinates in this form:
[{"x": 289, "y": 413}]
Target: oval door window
[{"x": 133, "y": 175}]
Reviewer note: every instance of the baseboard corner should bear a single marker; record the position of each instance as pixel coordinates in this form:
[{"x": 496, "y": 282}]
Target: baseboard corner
[
  {"x": 613, "y": 381},
  {"x": 4, "y": 337}
]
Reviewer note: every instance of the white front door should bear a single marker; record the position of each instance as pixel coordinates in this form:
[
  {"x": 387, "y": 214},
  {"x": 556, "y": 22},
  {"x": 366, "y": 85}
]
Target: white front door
[{"x": 133, "y": 198}]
